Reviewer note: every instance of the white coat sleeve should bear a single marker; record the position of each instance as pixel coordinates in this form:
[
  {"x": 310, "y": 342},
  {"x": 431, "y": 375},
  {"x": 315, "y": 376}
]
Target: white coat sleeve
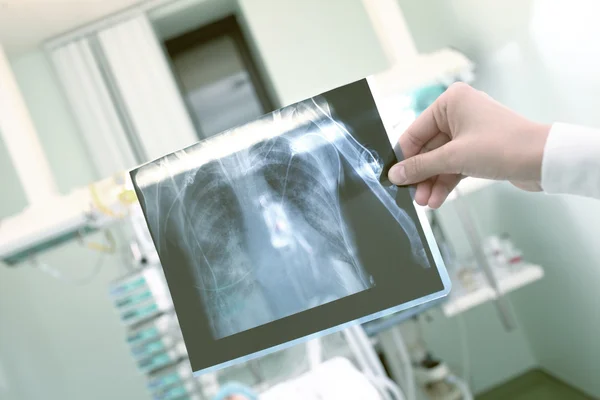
[{"x": 571, "y": 161}]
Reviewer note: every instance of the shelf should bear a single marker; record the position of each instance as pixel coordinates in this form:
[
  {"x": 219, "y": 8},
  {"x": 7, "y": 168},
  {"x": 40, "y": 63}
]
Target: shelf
[
  {"x": 466, "y": 186},
  {"x": 43, "y": 226},
  {"x": 460, "y": 303},
  {"x": 61, "y": 219},
  {"x": 470, "y": 185}
]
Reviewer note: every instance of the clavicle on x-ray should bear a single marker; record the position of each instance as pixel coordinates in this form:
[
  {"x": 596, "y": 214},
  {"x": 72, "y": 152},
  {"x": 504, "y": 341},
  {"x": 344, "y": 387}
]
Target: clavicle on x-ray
[{"x": 262, "y": 220}]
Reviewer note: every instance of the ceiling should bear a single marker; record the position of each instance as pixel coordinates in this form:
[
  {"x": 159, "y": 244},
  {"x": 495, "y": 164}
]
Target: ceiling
[
  {"x": 25, "y": 24},
  {"x": 179, "y": 16}
]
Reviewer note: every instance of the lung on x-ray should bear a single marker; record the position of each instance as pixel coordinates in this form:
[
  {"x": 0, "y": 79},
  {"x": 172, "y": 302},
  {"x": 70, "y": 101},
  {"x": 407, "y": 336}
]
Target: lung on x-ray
[{"x": 283, "y": 228}]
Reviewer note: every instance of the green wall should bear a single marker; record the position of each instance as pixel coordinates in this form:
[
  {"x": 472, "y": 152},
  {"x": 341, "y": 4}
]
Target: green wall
[
  {"x": 560, "y": 315},
  {"x": 58, "y": 341},
  {"x": 53, "y": 121},
  {"x": 546, "y": 70},
  {"x": 311, "y": 46}
]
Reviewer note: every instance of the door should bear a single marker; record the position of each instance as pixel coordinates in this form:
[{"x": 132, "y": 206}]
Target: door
[{"x": 218, "y": 77}]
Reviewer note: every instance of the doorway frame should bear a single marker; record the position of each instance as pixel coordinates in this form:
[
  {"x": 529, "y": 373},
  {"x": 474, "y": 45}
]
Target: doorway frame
[{"x": 228, "y": 27}]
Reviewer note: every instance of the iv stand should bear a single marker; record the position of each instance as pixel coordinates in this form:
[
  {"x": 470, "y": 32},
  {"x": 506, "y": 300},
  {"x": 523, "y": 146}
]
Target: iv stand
[{"x": 477, "y": 248}]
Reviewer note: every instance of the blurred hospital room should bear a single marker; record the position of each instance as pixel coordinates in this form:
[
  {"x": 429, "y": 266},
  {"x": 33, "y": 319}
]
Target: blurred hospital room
[{"x": 90, "y": 89}]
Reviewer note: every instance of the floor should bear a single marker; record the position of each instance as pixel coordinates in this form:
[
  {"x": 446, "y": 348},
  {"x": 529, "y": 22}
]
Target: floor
[{"x": 534, "y": 385}]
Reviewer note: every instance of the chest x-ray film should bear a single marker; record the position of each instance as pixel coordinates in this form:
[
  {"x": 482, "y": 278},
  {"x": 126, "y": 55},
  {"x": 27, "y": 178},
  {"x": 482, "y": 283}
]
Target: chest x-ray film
[{"x": 281, "y": 229}]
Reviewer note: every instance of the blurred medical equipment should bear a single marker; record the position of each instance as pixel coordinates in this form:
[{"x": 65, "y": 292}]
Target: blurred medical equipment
[
  {"x": 418, "y": 372},
  {"x": 143, "y": 304},
  {"x": 61, "y": 219},
  {"x": 154, "y": 337},
  {"x": 437, "y": 381},
  {"x": 334, "y": 379},
  {"x": 141, "y": 296},
  {"x": 234, "y": 390},
  {"x": 360, "y": 373}
]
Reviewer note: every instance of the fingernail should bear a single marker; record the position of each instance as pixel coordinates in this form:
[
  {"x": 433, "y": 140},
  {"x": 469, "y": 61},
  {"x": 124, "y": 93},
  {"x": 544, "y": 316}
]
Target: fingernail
[{"x": 397, "y": 174}]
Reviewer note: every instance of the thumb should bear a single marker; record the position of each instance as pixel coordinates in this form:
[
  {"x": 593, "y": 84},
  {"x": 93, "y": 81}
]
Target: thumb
[{"x": 421, "y": 167}]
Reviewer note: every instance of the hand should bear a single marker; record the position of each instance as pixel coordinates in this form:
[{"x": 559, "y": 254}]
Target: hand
[{"x": 466, "y": 133}]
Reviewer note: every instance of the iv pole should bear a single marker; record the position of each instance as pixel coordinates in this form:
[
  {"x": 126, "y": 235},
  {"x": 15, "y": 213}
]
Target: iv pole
[{"x": 477, "y": 248}]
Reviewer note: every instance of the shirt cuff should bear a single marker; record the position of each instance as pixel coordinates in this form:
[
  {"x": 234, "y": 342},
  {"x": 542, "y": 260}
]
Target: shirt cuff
[{"x": 571, "y": 162}]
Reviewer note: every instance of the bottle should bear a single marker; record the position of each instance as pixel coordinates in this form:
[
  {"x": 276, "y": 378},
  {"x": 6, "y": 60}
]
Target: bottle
[
  {"x": 514, "y": 256},
  {"x": 494, "y": 250}
]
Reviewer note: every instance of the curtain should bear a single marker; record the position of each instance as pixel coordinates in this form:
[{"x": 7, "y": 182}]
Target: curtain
[
  {"x": 124, "y": 96},
  {"x": 147, "y": 86},
  {"x": 94, "y": 109}
]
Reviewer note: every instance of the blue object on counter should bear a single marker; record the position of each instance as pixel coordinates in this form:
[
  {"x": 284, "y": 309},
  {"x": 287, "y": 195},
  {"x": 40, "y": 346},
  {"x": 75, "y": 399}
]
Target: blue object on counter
[
  {"x": 145, "y": 350},
  {"x": 164, "y": 381},
  {"x": 425, "y": 96},
  {"x": 133, "y": 299},
  {"x": 140, "y": 313},
  {"x": 156, "y": 362},
  {"x": 143, "y": 335},
  {"x": 128, "y": 286},
  {"x": 233, "y": 388},
  {"x": 172, "y": 393}
]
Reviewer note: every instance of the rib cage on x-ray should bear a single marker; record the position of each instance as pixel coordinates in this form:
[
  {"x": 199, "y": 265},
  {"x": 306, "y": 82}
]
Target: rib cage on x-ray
[{"x": 263, "y": 227}]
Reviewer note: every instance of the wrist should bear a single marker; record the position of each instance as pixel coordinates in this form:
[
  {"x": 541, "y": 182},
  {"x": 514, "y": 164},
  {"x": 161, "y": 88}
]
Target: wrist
[{"x": 538, "y": 137}]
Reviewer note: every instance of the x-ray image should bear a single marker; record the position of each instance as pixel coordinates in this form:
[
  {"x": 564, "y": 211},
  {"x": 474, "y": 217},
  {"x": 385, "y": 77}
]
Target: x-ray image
[{"x": 285, "y": 217}]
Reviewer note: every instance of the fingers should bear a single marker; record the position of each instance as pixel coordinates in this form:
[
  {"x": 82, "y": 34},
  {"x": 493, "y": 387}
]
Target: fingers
[
  {"x": 434, "y": 191},
  {"x": 424, "y": 166},
  {"x": 421, "y": 131},
  {"x": 431, "y": 123},
  {"x": 423, "y": 192},
  {"x": 437, "y": 141},
  {"x": 530, "y": 186},
  {"x": 443, "y": 186}
]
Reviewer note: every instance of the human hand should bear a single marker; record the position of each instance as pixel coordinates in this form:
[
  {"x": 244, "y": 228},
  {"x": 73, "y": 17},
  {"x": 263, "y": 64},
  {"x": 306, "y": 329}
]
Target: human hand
[{"x": 466, "y": 133}]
